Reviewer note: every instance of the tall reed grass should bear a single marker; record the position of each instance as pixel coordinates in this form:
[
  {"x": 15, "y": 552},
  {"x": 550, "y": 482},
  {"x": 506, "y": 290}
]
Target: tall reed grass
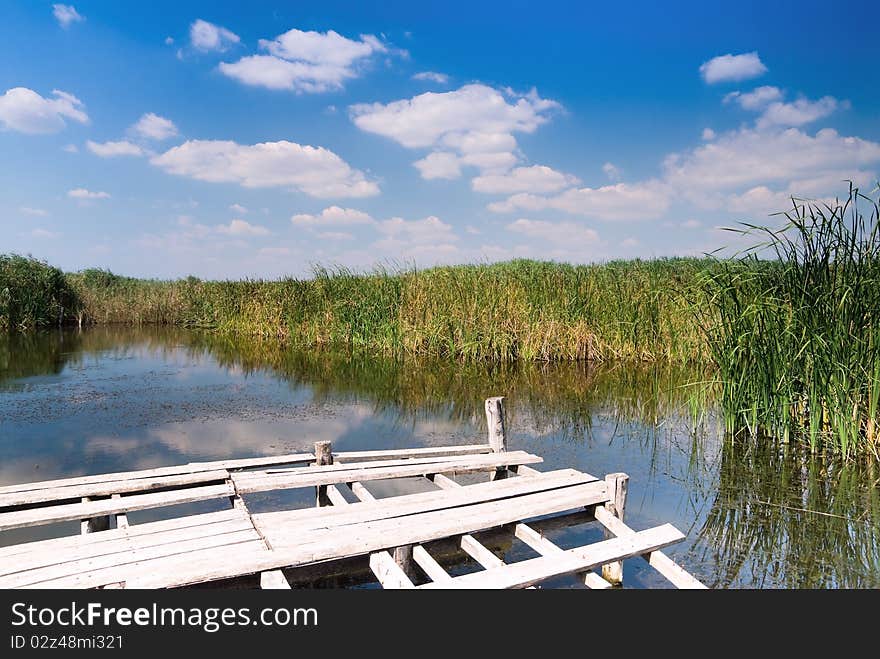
[
  {"x": 33, "y": 294},
  {"x": 793, "y": 325}
]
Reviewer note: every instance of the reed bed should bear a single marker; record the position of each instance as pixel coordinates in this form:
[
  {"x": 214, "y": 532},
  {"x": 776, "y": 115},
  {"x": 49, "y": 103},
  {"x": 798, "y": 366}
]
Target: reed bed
[{"x": 793, "y": 326}]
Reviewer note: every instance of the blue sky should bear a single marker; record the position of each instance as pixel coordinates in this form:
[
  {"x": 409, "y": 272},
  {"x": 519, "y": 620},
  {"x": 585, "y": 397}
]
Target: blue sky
[{"x": 226, "y": 140}]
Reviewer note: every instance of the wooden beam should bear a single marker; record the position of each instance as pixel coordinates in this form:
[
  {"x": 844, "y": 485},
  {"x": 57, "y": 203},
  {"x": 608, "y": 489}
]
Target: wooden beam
[
  {"x": 323, "y": 456},
  {"x": 273, "y": 580},
  {"x": 615, "y": 485},
  {"x": 430, "y": 566},
  {"x": 656, "y": 559},
  {"x": 535, "y": 570},
  {"x": 396, "y": 454},
  {"x": 389, "y": 573},
  {"x": 121, "y": 518},
  {"x": 495, "y": 423},
  {"x": 93, "y": 524}
]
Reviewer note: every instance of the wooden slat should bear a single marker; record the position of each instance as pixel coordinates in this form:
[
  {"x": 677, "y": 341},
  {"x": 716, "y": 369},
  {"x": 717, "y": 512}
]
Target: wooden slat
[
  {"x": 73, "y": 511},
  {"x": 535, "y": 570},
  {"x": 409, "y": 504},
  {"x": 111, "y": 487},
  {"x": 332, "y": 474},
  {"x": 273, "y": 580},
  {"x": 656, "y": 559},
  {"x": 479, "y": 552},
  {"x": 387, "y": 572},
  {"x": 361, "y": 492},
  {"x": 335, "y": 496},
  {"x": 429, "y": 452},
  {"x": 431, "y": 567},
  {"x": 121, "y": 518}
]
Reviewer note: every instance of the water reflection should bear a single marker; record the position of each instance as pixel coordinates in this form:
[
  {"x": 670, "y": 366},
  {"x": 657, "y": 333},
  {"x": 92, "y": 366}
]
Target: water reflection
[{"x": 111, "y": 399}]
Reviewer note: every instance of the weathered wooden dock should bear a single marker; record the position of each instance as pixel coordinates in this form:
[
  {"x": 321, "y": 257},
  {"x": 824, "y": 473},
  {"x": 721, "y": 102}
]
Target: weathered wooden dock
[{"x": 399, "y": 537}]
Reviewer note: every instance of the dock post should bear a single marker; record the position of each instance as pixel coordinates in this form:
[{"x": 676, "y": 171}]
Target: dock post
[
  {"x": 497, "y": 436},
  {"x": 323, "y": 456},
  {"x": 94, "y": 524},
  {"x": 615, "y": 485},
  {"x": 403, "y": 556}
]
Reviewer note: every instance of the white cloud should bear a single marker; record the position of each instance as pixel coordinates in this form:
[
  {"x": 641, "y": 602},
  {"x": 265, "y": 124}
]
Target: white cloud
[
  {"x": 758, "y": 200},
  {"x": 800, "y": 112},
  {"x": 37, "y": 212},
  {"x": 316, "y": 171},
  {"x": 620, "y": 202},
  {"x": 756, "y": 99},
  {"x": 114, "y": 149},
  {"x": 708, "y": 135},
  {"x": 305, "y": 61},
  {"x": 538, "y": 179},
  {"x": 612, "y": 172},
  {"x": 476, "y": 121},
  {"x": 207, "y": 37},
  {"x": 242, "y": 228},
  {"x": 432, "y": 76},
  {"x": 66, "y": 15},
  {"x": 401, "y": 233},
  {"x": 569, "y": 234},
  {"x": 83, "y": 193},
  {"x": 334, "y": 235},
  {"x": 439, "y": 164},
  {"x": 746, "y": 158},
  {"x": 333, "y": 216},
  {"x": 25, "y": 111},
  {"x": 238, "y": 208},
  {"x": 153, "y": 127},
  {"x": 169, "y": 41},
  {"x": 732, "y": 68},
  {"x": 70, "y": 148}
]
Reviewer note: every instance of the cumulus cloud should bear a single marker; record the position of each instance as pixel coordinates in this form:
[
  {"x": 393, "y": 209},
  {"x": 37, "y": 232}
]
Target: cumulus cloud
[
  {"x": 797, "y": 113},
  {"x": 730, "y": 67},
  {"x": 439, "y": 164},
  {"x": 316, "y": 171},
  {"x": 620, "y": 202},
  {"x": 113, "y": 149},
  {"x": 538, "y": 179},
  {"x": 612, "y": 172},
  {"x": 25, "y": 111},
  {"x": 569, "y": 234},
  {"x": 332, "y": 216},
  {"x": 84, "y": 194},
  {"x": 66, "y": 15},
  {"x": 242, "y": 228},
  {"x": 708, "y": 134},
  {"x": 400, "y": 232},
  {"x": 207, "y": 37},
  {"x": 309, "y": 62},
  {"x": 238, "y": 208},
  {"x": 756, "y": 99},
  {"x": 475, "y": 124},
  {"x": 746, "y": 158},
  {"x": 153, "y": 127},
  {"x": 431, "y": 76}
]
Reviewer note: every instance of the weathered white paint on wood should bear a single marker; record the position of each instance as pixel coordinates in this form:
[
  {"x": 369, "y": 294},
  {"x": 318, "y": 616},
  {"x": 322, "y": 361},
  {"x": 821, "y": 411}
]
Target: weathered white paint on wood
[
  {"x": 73, "y": 511},
  {"x": 121, "y": 518},
  {"x": 273, "y": 580},
  {"x": 495, "y": 423},
  {"x": 396, "y": 454},
  {"x": 430, "y": 566},
  {"x": 389, "y": 573},
  {"x": 479, "y": 552},
  {"x": 657, "y": 559},
  {"x": 361, "y": 492},
  {"x": 535, "y": 570},
  {"x": 616, "y": 486}
]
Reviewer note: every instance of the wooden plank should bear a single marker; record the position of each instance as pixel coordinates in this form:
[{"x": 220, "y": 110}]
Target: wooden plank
[
  {"x": 340, "y": 542},
  {"x": 65, "y": 544},
  {"x": 657, "y": 559},
  {"x": 335, "y": 496},
  {"x": 125, "y": 558},
  {"x": 93, "y": 524},
  {"x": 395, "y": 454},
  {"x": 361, "y": 492},
  {"x": 314, "y": 476},
  {"x": 121, "y": 518},
  {"x": 323, "y": 456},
  {"x": 495, "y": 423},
  {"x": 69, "y": 492},
  {"x": 443, "y": 482},
  {"x": 73, "y": 511},
  {"x": 535, "y": 570},
  {"x": 49, "y": 555},
  {"x": 525, "y": 470},
  {"x": 476, "y": 550},
  {"x": 432, "y": 568},
  {"x": 273, "y": 580},
  {"x": 409, "y": 504},
  {"x": 547, "y": 548},
  {"x": 389, "y": 573}
]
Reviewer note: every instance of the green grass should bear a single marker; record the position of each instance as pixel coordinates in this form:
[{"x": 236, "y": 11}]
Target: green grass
[
  {"x": 33, "y": 294},
  {"x": 796, "y": 336}
]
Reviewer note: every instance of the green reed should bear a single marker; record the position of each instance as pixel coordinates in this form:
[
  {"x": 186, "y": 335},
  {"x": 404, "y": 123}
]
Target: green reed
[
  {"x": 33, "y": 294},
  {"x": 793, "y": 327}
]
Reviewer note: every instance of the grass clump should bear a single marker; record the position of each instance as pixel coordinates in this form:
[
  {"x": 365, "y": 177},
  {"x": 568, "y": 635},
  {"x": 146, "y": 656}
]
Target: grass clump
[{"x": 33, "y": 294}]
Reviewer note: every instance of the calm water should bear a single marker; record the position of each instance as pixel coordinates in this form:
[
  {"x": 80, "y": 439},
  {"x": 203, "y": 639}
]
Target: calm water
[{"x": 75, "y": 403}]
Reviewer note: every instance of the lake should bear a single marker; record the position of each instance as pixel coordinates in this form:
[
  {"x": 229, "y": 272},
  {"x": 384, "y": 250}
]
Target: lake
[{"x": 756, "y": 514}]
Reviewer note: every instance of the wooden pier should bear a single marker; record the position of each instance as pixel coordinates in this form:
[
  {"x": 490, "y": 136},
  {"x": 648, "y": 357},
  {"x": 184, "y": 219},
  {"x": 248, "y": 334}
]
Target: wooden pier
[{"x": 402, "y": 539}]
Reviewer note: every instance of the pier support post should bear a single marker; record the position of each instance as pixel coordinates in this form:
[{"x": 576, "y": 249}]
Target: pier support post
[
  {"x": 497, "y": 436},
  {"x": 94, "y": 524},
  {"x": 323, "y": 456},
  {"x": 615, "y": 485},
  {"x": 403, "y": 556}
]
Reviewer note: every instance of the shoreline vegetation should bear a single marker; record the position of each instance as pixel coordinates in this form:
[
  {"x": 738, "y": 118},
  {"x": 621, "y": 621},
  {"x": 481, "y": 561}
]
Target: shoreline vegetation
[{"x": 790, "y": 326}]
